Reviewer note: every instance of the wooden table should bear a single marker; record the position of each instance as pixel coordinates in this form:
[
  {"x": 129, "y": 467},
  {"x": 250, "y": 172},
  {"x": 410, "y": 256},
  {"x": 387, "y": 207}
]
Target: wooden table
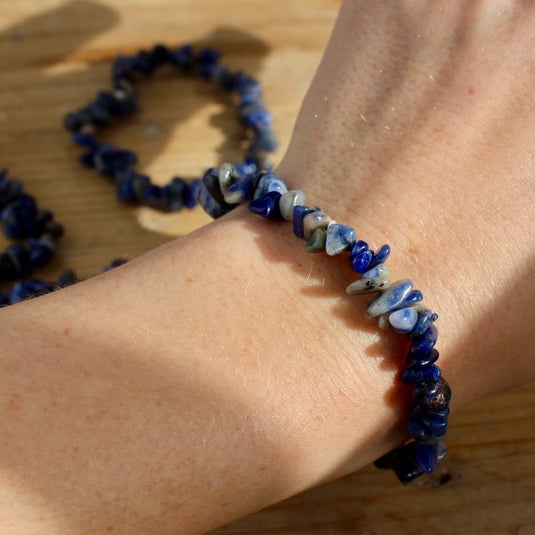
[{"x": 55, "y": 55}]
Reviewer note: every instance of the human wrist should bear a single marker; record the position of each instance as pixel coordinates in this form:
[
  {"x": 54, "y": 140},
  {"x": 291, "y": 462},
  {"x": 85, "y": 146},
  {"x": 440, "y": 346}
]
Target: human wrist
[
  {"x": 426, "y": 148},
  {"x": 279, "y": 400}
]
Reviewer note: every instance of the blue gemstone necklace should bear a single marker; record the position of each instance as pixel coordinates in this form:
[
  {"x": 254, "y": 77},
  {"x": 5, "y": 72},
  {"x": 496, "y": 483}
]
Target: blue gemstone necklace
[{"x": 397, "y": 305}]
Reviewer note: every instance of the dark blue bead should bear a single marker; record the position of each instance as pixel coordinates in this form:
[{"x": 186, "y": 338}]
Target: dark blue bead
[
  {"x": 242, "y": 189},
  {"x": 87, "y": 158},
  {"x": 407, "y": 470},
  {"x": 9, "y": 189},
  {"x": 426, "y": 341},
  {"x": 106, "y": 101},
  {"x": 359, "y": 247},
  {"x": 76, "y": 120},
  {"x": 266, "y": 140},
  {"x": 183, "y": 57},
  {"x": 67, "y": 278},
  {"x": 422, "y": 359},
  {"x": 207, "y": 71},
  {"x": 4, "y": 178},
  {"x": 20, "y": 258},
  {"x": 380, "y": 256},
  {"x": 98, "y": 115},
  {"x": 425, "y": 319},
  {"x": 26, "y": 289},
  {"x": 143, "y": 62},
  {"x": 259, "y": 119},
  {"x": 211, "y": 182},
  {"x": 39, "y": 287},
  {"x": 298, "y": 214},
  {"x": 85, "y": 140},
  {"x": 414, "y": 297},
  {"x": 152, "y": 195},
  {"x": 109, "y": 161},
  {"x": 40, "y": 224},
  {"x": 139, "y": 183},
  {"x": 267, "y": 205},
  {"x": 118, "y": 106},
  {"x": 102, "y": 151},
  {"x": 173, "y": 194},
  {"x": 124, "y": 99},
  {"x": 40, "y": 252},
  {"x": 436, "y": 421},
  {"x": 73, "y": 121},
  {"x": 123, "y": 174},
  {"x": 361, "y": 262},
  {"x": 249, "y": 90},
  {"x": 212, "y": 207},
  {"x": 241, "y": 81},
  {"x": 207, "y": 61},
  {"x": 114, "y": 263},
  {"x": 18, "y": 216},
  {"x": 418, "y": 430},
  {"x": 221, "y": 75},
  {"x": 420, "y": 374},
  {"x": 426, "y": 456},
  {"x": 125, "y": 189},
  {"x": 385, "y": 462},
  {"x": 245, "y": 110},
  {"x": 160, "y": 54},
  {"x": 191, "y": 193},
  {"x": 8, "y": 270},
  {"x": 208, "y": 56},
  {"x": 123, "y": 68},
  {"x": 403, "y": 461},
  {"x": 10, "y": 192},
  {"x": 248, "y": 167},
  {"x": 438, "y": 426},
  {"x": 18, "y": 293}
]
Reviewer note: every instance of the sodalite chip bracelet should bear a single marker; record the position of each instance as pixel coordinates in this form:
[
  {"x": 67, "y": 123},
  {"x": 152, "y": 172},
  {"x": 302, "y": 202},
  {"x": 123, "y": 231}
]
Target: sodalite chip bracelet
[
  {"x": 121, "y": 101},
  {"x": 397, "y": 305}
]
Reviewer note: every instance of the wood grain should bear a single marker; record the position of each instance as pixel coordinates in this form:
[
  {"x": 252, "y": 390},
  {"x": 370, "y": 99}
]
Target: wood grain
[{"x": 55, "y": 55}]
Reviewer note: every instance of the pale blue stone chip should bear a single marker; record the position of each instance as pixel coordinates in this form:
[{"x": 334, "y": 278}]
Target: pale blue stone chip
[
  {"x": 339, "y": 238},
  {"x": 288, "y": 201},
  {"x": 378, "y": 271},
  {"x": 390, "y": 299},
  {"x": 269, "y": 183},
  {"x": 404, "y": 319},
  {"x": 314, "y": 220},
  {"x": 374, "y": 280}
]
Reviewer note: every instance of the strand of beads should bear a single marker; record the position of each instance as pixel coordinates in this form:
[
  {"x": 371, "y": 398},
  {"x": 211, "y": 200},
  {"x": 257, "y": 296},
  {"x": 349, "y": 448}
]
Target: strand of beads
[
  {"x": 109, "y": 106},
  {"x": 22, "y": 220},
  {"x": 397, "y": 304}
]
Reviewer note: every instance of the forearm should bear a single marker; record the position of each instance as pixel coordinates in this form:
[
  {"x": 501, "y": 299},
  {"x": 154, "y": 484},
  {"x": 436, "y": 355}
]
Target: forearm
[{"x": 191, "y": 386}]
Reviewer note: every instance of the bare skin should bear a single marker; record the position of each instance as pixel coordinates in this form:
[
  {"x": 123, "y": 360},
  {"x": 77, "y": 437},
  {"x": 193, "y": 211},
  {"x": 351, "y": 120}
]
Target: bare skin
[{"x": 194, "y": 385}]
